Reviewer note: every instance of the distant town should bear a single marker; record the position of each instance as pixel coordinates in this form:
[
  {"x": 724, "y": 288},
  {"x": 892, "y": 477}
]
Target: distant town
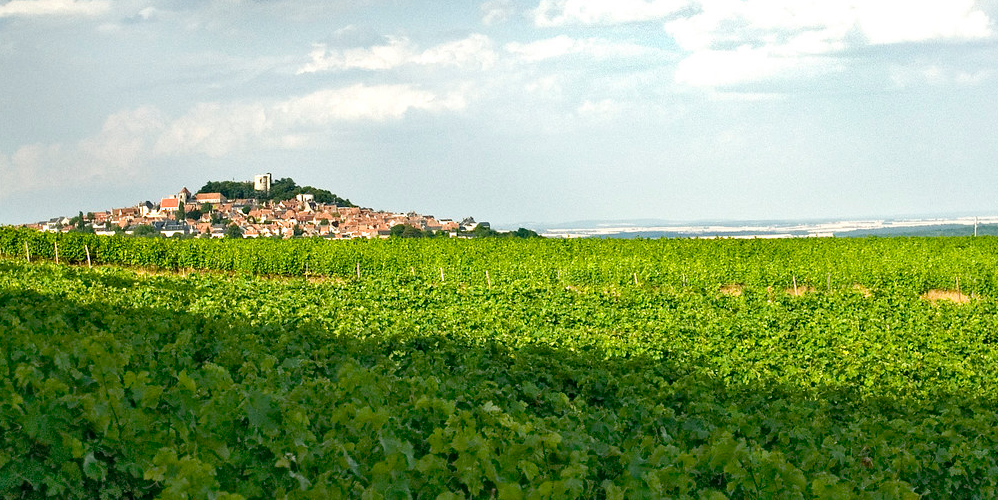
[{"x": 255, "y": 209}]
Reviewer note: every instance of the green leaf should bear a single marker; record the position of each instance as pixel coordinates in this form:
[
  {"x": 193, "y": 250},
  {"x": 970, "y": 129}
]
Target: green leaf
[{"x": 94, "y": 468}]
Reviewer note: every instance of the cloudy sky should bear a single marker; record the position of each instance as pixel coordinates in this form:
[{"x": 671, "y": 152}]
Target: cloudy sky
[{"x": 508, "y": 110}]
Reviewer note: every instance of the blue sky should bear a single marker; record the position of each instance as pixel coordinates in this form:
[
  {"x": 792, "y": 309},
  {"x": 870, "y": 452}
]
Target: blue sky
[{"x": 511, "y": 111}]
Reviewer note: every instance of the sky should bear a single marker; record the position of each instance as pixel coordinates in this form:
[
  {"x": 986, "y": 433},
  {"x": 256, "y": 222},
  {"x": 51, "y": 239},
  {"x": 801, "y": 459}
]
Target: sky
[{"x": 514, "y": 112}]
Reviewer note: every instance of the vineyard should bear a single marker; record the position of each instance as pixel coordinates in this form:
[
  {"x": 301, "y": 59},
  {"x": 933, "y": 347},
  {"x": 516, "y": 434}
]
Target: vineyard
[{"x": 510, "y": 369}]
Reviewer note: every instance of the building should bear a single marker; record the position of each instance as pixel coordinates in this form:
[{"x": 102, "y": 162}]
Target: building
[
  {"x": 169, "y": 205},
  {"x": 213, "y": 198},
  {"x": 262, "y": 182}
]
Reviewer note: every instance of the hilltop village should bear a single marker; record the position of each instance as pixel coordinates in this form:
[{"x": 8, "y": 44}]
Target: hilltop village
[{"x": 309, "y": 212}]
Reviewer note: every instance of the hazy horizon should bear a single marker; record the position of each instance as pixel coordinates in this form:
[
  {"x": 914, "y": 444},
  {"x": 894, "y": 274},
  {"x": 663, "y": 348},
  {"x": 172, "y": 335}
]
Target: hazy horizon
[{"x": 542, "y": 110}]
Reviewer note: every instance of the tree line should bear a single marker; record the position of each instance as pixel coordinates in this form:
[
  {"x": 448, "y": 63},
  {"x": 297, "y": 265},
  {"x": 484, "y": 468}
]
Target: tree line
[{"x": 280, "y": 190}]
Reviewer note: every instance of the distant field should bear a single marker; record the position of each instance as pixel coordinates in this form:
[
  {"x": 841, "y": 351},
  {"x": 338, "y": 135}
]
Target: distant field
[{"x": 825, "y": 368}]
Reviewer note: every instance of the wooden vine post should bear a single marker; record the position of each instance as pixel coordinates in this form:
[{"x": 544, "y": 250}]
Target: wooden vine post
[
  {"x": 488, "y": 279},
  {"x": 87, "y": 249},
  {"x": 57, "y": 252},
  {"x": 442, "y": 275},
  {"x": 27, "y": 253},
  {"x": 358, "y": 270}
]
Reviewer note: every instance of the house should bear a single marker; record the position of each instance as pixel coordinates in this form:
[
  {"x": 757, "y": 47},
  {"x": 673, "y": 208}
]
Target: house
[
  {"x": 144, "y": 207},
  {"x": 170, "y": 228},
  {"x": 251, "y": 231},
  {"x": 213, "y": 198},
  {"x": 169, "y": 205},
  {"x": 468, "y": 224},
  {"x": 124, "y": 213},
  {"x": 55, "y": 224}
]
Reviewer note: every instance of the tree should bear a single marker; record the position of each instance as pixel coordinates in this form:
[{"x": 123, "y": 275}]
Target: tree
[
  {"x": 233, "y": 231},
  {"x": 78, "y": 222},
  {"x": 406, "y": 231},
  {"x": 181, "y": 213},
  {"x": 231, "y": 189},
  {"x": 206, "y": 208},
  {"x": 193, "y": 214},
  {"x": 145, "y": 231},
  {"x": 483, "y": 231},
  {"x": 245, "y": 210}
]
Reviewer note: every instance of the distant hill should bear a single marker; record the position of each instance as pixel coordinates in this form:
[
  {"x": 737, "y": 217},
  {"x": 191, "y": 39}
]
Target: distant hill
[{"x": 280, "y": 190}]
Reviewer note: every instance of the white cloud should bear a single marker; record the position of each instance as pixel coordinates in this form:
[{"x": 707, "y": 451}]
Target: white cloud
[
  {"x": 124, "y": 138},
  {"x": 217, "y": 129},
  {"x": 131, "y": 140},
  {"x": 935, "y": 75},
  {"x": 476, "y": 50},
  {"x": 214, "y": 130},
  {"x": 563, "y": 45},
  {"x": 894, "y": 21},
  {"x": 604, "y": 109},
  {"x": 496, "y": 11},
  {"x": 360, "y": 102},
  {"x": 597, "y": 12},
  {"x": 115, "y": 154},
  {"x": 729, "y": 42},
  {"x": 31, "y": 8},
  {"x": 473, "y": 51}
]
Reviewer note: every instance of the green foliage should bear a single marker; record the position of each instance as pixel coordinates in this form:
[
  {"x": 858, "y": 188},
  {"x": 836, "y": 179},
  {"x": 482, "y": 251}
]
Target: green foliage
[
  {"x": 145, "y": 231},
  {"x": 409, "y": 231},
  {"x": 280, "y": 190},
  {"x": 576, "y": 369},
  {"x": 233, "y": 231},
  {"x": 231, "y": 189}
]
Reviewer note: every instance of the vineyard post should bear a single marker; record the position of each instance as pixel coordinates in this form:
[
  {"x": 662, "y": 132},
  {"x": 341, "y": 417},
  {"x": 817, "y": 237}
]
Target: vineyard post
[
  {"x": 488, "y": 279},
  {"x": 358, "y": 270},
  {"x": 87, "y": 249},
  {"x": 795, "y": 284},
  {"x": 442, "y": 275},
  {"x": 412, "y": 270},
  {"x": 57, "y": 252},
  {"x": 635, "y": 279},
  {"x": 27, "y": 254},
  {"x": 684, "y": 279}
]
